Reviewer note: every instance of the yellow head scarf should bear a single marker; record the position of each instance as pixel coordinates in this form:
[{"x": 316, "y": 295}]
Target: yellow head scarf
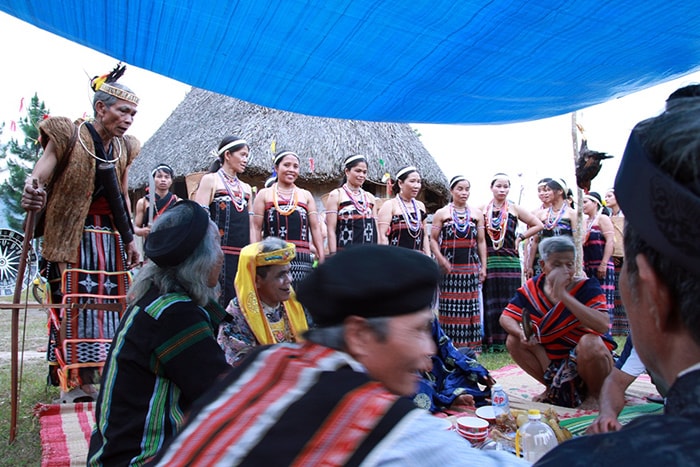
[{"x": 251, "y": 257}]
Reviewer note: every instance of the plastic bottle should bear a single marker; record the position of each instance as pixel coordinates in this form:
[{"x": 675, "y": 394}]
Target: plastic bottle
[
  {"x": 499, "y": 400},
  {"x": 535, "y": 437}
]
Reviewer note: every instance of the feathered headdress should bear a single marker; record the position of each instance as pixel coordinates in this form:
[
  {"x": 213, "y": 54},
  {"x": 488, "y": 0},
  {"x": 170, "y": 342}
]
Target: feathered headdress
[{"x": 101, "y": 83}]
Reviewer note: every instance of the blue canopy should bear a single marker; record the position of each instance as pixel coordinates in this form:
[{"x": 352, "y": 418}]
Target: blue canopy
[{"x": 437, "y": 61}]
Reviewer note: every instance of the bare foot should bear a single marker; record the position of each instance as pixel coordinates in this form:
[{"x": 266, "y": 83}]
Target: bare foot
[
  {"x": 541, "y": 397},
  {"x": 591, "y": 403}
]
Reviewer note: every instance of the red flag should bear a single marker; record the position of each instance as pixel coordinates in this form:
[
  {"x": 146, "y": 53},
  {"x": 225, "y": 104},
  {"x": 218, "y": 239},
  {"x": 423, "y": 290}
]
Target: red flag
[
  {"x": 21, "y": 104},
  {"x": 13, "y": 126},
  {"x": 311, "y": 163}
]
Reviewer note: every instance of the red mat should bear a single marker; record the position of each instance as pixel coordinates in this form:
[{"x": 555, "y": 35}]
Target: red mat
[{"x": 65, "y": 433}]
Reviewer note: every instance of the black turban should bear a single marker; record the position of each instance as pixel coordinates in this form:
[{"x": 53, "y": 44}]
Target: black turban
[
  {"x": 369, "y": 281},
  {"x": 172, "y": 245}
]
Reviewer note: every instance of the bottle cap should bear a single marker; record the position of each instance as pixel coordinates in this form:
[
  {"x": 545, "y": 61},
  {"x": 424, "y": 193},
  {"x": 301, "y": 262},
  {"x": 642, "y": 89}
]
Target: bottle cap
[
  {"x": 534, "y": 413},
  {"x": 496, "y": 387}
]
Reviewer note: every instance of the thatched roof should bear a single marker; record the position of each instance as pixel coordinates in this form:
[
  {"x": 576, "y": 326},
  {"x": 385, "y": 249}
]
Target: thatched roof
[{"x": 187, "y": 138}]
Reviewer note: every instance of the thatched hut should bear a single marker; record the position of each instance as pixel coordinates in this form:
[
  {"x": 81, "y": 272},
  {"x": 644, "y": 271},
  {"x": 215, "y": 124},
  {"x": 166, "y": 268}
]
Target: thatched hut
[{"x": 187, "y": 138}]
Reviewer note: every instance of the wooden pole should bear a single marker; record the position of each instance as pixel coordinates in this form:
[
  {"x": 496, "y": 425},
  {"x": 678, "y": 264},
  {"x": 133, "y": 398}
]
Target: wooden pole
[
  {"x": 16, "y": 299},
  {"x": 578, "y": 234}
]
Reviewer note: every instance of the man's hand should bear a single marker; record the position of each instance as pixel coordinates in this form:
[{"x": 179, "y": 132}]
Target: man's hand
[
  {"x": 559, "y": 279},
  {"x": 133, "y": 258},
  {"x": 33, "y": 199},
  {"x": 603, "y": 423}
]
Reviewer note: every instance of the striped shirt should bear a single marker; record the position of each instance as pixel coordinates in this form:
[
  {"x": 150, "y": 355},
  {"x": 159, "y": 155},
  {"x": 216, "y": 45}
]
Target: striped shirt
[
  {"x": 163, "y": 357},
  {"x": 560, "y": 330},
  {"x": 308, "y": 405}
]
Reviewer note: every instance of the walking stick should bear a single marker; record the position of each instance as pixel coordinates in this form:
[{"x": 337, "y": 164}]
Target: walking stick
[{"x": 16, "y": 299}]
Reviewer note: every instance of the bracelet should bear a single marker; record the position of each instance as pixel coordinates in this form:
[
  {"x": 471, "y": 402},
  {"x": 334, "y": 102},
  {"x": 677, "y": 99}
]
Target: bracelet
[{"x": 521, "y": 236}]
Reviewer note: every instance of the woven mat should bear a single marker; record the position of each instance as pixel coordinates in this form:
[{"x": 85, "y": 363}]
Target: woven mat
[
  {"x": 65, "y": 433},
  {"x": 522, "y": 388}
]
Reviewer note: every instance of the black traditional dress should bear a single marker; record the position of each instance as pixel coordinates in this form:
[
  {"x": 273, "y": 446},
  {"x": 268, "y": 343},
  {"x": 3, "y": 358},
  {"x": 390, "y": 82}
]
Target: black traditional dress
[
  {"x": 290, "y": 222},
  {"x": 355, "y": 225},
  {"x": 503, "y": 275},
  {"x": 229, "y": 211},
  {"x": 459, "y": 289}
]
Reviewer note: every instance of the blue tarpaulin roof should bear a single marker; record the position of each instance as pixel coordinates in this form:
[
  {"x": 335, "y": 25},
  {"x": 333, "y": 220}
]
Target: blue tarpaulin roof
[{"x": 464, "y": 61}]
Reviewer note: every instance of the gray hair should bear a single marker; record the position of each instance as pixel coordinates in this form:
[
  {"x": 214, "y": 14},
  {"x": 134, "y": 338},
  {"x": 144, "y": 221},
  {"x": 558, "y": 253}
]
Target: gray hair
[
  {"x": 672, "y": 141},
  {"x": 191, "y": 275},
  {"x": 334, "y": 336},
  {"x": 269, "y": 244},
  {"x": 558, "y": 244},
  {"x": 108, "y": 99}
]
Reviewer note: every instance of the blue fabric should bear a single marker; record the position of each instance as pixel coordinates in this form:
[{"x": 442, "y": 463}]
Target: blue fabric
[
  {"x": 454, "y": 373},
  {"x": 438, "y": 61}
]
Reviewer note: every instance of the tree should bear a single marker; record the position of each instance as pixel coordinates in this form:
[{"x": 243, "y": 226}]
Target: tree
[{"x": 21, "y": 158}]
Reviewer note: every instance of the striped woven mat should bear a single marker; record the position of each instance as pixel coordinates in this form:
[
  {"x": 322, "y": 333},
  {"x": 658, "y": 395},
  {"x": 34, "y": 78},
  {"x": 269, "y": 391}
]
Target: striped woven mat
[{"x": 65, "y": 433}]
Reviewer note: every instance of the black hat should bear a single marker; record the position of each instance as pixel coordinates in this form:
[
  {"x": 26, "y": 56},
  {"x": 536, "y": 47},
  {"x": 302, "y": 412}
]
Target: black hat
[
  {"x": 170, "y": 246},
  {"x": 369, "y": 281}
]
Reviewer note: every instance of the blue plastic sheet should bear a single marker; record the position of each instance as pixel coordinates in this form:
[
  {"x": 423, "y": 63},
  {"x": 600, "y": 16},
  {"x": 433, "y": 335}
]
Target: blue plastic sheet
[{"x": 467, "y": 61}]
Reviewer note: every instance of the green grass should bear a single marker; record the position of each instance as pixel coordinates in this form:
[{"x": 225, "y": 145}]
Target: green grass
[{"x": 26, "y": 449}]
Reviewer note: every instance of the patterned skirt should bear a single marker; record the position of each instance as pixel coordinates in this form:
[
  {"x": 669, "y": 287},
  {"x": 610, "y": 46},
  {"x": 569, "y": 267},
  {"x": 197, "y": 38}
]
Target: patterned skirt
[
  {"x": 503, "y": 278},
  {"x": 459, "y": 306},
  {"x": 98, "y": 277}
]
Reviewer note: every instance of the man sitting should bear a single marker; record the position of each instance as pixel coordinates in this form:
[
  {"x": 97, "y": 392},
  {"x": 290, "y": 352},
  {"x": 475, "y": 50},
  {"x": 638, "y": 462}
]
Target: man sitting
[
  {"x": 658, "y": 188},
  {"x": 336, "y": 399},
  {"x": 265, "y": 310},
  {"x": 566, "y": 350}
]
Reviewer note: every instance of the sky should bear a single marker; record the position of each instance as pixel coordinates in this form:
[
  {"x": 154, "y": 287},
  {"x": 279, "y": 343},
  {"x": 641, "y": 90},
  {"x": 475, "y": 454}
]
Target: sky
[{"x": 35, "y": 61}]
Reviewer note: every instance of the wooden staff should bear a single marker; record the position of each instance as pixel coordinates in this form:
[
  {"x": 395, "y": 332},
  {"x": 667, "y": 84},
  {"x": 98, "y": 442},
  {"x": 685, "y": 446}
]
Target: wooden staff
[{"x": 16, "y": 299}]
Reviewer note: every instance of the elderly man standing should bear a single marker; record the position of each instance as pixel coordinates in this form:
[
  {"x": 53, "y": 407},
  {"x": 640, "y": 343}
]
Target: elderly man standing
[
  {"x": 81, "y": 179},
  {"x": 337, "y": 399},
  {"x": 563, "y": 347},
  {"x": 658, "y": 187},
  {"x": 265, "y": 310}
]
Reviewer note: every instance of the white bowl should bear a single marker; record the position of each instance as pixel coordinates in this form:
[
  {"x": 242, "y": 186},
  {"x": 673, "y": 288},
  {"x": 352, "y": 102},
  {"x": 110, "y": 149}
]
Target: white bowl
[
  {"x": 474, "y": 425},
  {"x": 486, "y": 412}
]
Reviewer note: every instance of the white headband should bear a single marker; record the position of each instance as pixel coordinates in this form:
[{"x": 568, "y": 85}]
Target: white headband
[
  {"x": 282, "y": 155},
  {"x": 592, "y": 198},
  {"x": 456, "y": 179},
  {"x": 354, "y": 158},
  {"x": 405, "y": 170},
  {"x": 232, "y": 144},
  {"x": 498, "y": 176}
]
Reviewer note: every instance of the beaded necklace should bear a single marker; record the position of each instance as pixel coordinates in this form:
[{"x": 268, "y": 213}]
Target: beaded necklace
[
  {"x": 290, "y": 204},
  {"x": 551, "y": 221},
  {"x": 461, "y": 219},
  {"x": 413, "y": 225},
  {"x": 360, "y": 204},
  {"x": 496, "y": 226},
  {"x": 234, "y": 188}
]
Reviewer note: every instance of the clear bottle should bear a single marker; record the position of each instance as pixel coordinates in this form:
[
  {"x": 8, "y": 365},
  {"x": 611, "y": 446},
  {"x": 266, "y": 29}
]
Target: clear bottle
[
  {"x": 499, "y": 400},
  {"x": 535, "y": 437}
]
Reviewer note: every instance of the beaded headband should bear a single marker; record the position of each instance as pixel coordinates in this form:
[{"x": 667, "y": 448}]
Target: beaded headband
[
  {"x": 282, "y": 256},
  {"x": 405, "y": 170},
  {"x": 354, "y": 158},
  {"x": 283, "y": 154},
  {"x": 498, "y": 176},
  {"x": 662, "y": 211},
  {"x": 119, "y": 93},
  {"x": 232, "y": 144},
  {"x": 456, "y": 179}
]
